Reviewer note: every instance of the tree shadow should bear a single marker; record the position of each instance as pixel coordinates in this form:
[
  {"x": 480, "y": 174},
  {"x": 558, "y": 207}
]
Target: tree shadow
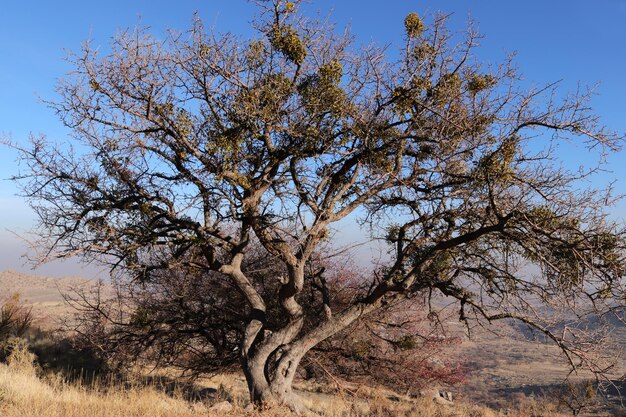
[
  {"x": 186, "y": 390},
  {"x": 74, "y": 364},
  {"x": 83, "y": 366}
]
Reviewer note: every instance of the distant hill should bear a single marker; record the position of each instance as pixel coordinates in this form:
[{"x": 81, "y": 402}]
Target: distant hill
[{"x": 44, "y": 294}]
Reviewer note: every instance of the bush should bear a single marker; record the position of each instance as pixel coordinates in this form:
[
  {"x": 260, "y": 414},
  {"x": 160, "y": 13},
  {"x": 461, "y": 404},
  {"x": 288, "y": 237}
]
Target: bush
[
  {"x": 19, "y": 357},
  {"x": 15, "y": 320}
]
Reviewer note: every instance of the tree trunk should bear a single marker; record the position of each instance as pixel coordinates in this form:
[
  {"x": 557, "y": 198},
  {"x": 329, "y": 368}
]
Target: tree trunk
[
  {"x": 270, "y": 359},
  {"x": 271, "y": 363},
  {"x": 270, "y": 380}
]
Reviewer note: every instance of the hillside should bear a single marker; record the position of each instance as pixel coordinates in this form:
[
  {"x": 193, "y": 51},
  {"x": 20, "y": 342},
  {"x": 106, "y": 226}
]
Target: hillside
[
  {"x": 44, "y": 294},
  {"x": 502, "y": 370}
]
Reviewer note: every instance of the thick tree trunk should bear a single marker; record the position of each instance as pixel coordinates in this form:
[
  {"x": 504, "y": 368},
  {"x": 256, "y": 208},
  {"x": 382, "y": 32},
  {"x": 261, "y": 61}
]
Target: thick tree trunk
[
  {"x": 270, "y": 359},
  {"x": 270, "y": 381},
  {"x": 271, "y": 363}
]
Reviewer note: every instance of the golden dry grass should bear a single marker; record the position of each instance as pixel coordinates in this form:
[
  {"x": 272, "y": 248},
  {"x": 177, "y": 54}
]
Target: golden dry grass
[{"x": 24, "y": 393}]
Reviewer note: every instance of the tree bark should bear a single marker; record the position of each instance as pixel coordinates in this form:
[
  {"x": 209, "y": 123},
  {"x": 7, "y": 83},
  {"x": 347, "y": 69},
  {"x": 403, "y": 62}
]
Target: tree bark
[
  {"x": 270, "y": 379},
  {"x": 271, "y": 364}
]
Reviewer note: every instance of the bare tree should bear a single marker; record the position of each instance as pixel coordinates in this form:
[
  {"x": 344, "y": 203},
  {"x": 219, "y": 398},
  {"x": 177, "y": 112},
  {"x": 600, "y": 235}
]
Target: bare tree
[{"x": 202, "y": 143}]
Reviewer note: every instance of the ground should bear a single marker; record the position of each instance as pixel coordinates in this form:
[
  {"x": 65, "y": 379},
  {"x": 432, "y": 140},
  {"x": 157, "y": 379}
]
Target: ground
[{"x": 503, "y": 370}]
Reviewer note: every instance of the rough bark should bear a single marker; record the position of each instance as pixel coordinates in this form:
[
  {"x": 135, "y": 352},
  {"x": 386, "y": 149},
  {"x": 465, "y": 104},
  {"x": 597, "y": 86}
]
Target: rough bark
[{"x": 271, "y": 367}]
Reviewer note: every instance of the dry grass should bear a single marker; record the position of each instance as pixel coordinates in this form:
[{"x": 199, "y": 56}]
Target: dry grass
[{"x": 25, "y": 393}]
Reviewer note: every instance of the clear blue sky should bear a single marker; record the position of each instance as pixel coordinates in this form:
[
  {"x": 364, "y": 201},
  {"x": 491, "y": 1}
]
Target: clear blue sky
[{"x": 575, "y": 40}]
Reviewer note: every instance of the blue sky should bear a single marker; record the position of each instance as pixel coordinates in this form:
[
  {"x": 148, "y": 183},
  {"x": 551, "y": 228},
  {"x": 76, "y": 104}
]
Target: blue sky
[{"x": 574, "y": 41}]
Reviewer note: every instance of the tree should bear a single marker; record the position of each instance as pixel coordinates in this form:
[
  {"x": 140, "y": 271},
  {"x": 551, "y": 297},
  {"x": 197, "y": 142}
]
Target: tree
[{"x": 192, "y": 148}]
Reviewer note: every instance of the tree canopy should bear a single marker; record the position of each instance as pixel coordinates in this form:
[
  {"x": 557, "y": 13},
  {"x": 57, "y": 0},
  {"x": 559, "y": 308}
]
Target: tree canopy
[{"x": 192, "y": 149}]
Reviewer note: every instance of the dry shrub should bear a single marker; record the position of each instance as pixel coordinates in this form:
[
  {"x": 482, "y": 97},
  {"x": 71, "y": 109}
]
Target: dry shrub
[
  {"x": 15, "y": 321},
  {"x": 19, "y": 357}
]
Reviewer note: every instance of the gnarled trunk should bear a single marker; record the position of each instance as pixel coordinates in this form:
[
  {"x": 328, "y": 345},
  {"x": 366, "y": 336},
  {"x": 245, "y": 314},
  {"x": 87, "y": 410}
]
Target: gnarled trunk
[
  {"x": 271, "y": 360},
  {"x": 270, "y": 377}
]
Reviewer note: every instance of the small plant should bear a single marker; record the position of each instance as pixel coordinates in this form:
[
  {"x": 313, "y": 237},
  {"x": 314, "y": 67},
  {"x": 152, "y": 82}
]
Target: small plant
[
  {"x": 19, "y": 358},
  {"x": 15, "y": 318},
  {"x": 413, "y": 25}
]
